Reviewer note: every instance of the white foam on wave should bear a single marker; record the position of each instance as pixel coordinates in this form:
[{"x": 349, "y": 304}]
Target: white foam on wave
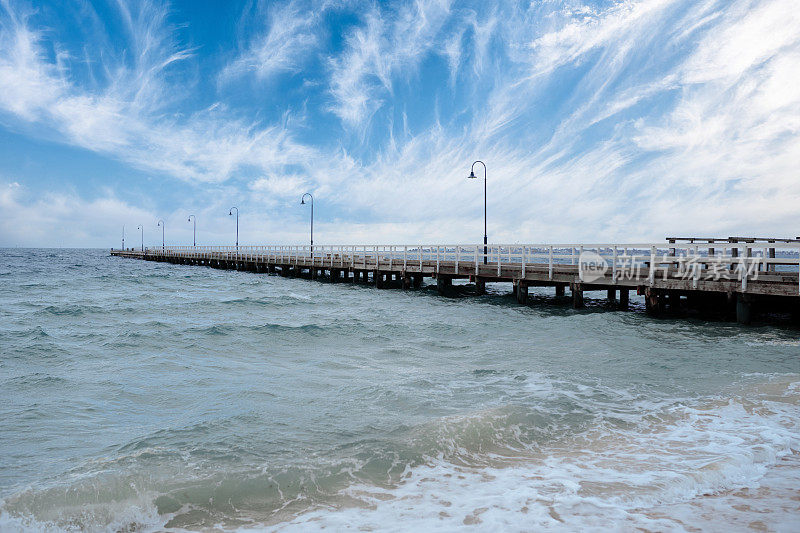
[
  {"x": 666, "y": 466},
  {"x": 296, "y": 296},
  {"x": 728, "y": 463},
  {"x": 139, "y": 514}
]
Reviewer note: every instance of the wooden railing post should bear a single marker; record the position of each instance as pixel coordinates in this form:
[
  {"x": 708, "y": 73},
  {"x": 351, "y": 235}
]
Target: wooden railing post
[
  {"x": 652, "y": 277},
  {"x": 614, "y": 266}
]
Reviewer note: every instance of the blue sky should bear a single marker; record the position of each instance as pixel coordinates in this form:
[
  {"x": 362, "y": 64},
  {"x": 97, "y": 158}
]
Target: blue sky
[{"x": 598, "y": 121}]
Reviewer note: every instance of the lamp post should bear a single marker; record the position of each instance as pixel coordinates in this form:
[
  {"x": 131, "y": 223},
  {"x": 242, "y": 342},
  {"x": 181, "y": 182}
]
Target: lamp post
[
  {"x": 194, "y": 229},
  {"x": 123, "y": 237},
  {"x": 230, "y": 213},
  {"x": 473, "y": 176},
  {"x": 303, "y": 202},
  {"x": 161, "y": 223},
  {"x": 141, "y": 227}
]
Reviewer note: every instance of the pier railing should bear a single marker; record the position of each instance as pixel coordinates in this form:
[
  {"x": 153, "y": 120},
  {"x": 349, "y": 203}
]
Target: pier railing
[{"x": 694, "y": 261}]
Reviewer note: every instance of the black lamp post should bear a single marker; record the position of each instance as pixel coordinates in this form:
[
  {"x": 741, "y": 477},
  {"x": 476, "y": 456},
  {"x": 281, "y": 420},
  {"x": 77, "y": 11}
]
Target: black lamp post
[
  {"x": 473, "y": 176},
  {"x": 230, "y": 213},
  {"x": 194, "y": 229},
  {"x": 123, "y": 237},
  {"x": 161, "y": 223},
  {"x": 303, "y": 202},
  {"x": 141, "y": 227}
]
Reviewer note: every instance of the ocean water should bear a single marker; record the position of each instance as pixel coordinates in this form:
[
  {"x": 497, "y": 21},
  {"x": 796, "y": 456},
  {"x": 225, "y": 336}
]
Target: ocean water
[{"x": 140, "y": 396}]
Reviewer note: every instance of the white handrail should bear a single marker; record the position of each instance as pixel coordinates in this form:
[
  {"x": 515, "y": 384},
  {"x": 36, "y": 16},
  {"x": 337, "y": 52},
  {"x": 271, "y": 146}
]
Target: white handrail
[{"x": 746, "y": 260}]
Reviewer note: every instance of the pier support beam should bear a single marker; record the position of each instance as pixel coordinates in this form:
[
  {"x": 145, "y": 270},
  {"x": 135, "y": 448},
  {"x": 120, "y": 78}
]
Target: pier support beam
[
  {"x": 623, "y": 303},
  {"x": 611, "y": 295},
  {"x": 795, "y": 314},
  {"x": 650, "y": 301},
  {"x": 417, "y": 281},
  {"x": 480, "y": 286},
  {"x": 693, "y": 302},
  {"x": 444, "y": 285},
  {"x": 730, "y": 305},
  {"x": 744, "y": 309},
  {"x": 379, "y": 279},
  {"x": 654, "y": 302},
  {"x": 521, "y": 292},
  {"x": 673, "y": 300},
  {"x": 577, "y": 295},
  {"x": 560, "y": 291}
]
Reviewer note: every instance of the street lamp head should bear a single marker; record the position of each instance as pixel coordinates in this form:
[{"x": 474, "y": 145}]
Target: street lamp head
[
  {"x": 472, "y": 175},
  {"x": 230, "y": 212},
  {"x": 302, "y": 201}
]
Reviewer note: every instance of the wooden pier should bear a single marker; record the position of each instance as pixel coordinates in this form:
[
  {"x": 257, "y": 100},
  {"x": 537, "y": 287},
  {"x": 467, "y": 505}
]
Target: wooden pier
[{"x": 734, "y": 277}]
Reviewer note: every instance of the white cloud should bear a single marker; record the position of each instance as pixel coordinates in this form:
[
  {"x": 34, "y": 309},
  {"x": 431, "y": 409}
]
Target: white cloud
[
  {"x": 33, "y": 218},
  {"x": 51, "y": 219},
  {"x": 280, "y": 186},
  {"x": 377, "y": 51},
  {"x": 677, "y": 117},
  {"x": 588, "y": 29},
  {"x": 727, "y": 144},
  {"x": 124, "y": 119},
  {"x": 738, "y": 117},
  {"x": 749, "y": 35},
  {"x": 291, "y": 34}
]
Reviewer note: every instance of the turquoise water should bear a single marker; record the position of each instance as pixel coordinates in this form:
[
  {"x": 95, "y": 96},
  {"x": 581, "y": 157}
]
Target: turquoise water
[{"x": 144, "y": 396}]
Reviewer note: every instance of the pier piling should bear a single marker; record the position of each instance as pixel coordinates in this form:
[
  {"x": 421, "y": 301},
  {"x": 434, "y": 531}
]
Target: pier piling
[
  {"x": 744, "y": 309},
  {"x": 611, "y": 296},
  {"x": 444, "y": 285},
  {"x": 521, "y": 292},
  {"x": 623, "y": 303},
  {"x": 577, "y": 295}
]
